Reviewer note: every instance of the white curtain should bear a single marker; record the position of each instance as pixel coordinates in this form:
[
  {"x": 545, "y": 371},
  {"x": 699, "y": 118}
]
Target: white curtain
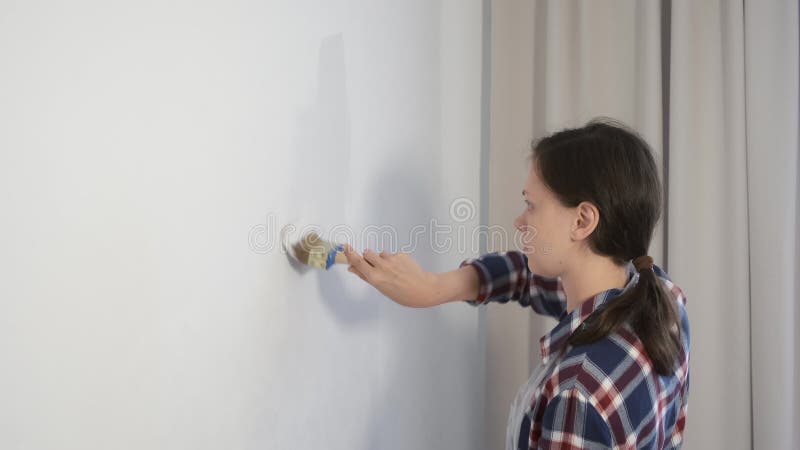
[{"x": 713, "y": 87}]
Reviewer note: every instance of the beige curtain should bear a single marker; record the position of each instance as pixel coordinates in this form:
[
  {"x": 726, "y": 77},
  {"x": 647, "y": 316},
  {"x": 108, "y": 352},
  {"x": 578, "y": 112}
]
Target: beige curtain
[{"x": 713, "y": 86}]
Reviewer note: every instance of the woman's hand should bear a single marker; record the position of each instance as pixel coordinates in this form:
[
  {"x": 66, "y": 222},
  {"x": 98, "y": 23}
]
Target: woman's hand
[{"x": 397, "y": 276}]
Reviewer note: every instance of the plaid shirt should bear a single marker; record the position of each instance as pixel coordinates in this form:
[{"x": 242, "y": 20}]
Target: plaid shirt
[{"x": 601, "y": 395}]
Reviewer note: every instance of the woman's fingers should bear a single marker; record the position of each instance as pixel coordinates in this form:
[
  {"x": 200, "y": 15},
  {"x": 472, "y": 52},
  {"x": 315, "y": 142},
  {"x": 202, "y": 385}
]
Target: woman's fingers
[
  {"x": 373, "y": 258},
  {"x": 396, "y": 275},
  {"x": 362, "y": 267}
]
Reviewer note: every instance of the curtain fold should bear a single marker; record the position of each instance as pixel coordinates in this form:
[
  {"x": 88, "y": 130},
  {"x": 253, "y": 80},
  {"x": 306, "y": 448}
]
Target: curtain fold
[
  {"x": 713, "y": 87},
  {"x": 733, "y": 216},
  {"x": 771, "y": 74},
  {"x": 708, "y": 216}
]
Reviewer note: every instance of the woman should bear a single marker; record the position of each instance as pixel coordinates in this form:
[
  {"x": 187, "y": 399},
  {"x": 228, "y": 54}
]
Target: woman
[{"x": 615, "y": 369}]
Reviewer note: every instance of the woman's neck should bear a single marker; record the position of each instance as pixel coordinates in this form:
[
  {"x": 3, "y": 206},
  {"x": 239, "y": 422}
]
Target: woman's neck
[{"x": 595, "y": 274}]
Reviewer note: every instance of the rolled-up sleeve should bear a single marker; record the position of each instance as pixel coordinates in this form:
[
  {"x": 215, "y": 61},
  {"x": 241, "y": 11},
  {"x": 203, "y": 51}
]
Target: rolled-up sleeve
[{"x": 504, "y": 276}]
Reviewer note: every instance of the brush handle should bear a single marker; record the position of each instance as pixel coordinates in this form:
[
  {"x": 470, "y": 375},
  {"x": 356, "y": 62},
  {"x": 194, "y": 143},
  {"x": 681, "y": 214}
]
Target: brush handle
[{"x": 340, "y": 258}]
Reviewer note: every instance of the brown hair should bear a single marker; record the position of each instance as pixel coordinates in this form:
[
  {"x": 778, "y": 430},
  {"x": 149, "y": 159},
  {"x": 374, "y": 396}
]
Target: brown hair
[{"x": 611, "y": 166}]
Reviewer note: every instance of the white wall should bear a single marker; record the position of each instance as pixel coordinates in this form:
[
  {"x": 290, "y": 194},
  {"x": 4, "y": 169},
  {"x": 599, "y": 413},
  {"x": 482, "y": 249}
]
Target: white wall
[{"x": 149, "y": 152}]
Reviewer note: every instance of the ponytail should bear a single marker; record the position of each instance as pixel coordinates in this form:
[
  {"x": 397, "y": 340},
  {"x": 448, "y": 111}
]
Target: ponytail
[{"x": 652, "y": 313}]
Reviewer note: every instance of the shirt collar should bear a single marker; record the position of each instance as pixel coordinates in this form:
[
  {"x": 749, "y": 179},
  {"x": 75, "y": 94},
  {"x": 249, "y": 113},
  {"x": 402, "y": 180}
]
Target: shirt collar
[{"x": 554, "y": 341}]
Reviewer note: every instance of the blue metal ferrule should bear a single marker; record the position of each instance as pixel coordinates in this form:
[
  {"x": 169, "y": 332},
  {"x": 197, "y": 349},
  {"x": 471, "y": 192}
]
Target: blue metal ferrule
[{"x": 332, "y": 256}]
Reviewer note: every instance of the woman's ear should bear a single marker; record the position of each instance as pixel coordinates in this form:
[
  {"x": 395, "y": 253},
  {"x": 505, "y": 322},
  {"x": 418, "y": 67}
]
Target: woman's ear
[{"x": 586, "y": 218}]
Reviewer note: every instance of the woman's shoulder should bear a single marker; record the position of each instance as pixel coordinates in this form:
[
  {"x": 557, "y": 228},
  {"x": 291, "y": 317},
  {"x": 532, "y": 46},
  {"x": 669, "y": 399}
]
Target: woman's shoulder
[
  {"x": 602, "y": 358},
  {"x": 616, "y": 360},
  {"x": 613, "y": 368}
]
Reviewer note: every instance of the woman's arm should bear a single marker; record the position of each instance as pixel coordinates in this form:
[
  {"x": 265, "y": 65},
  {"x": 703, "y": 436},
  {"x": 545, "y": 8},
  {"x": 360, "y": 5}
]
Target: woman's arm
[
  {"x": 457, "y": 285},
  {"x": 399, "y": 277},
  {"x": 504, "y": 276},
  {"x": 494, "y": 277}
]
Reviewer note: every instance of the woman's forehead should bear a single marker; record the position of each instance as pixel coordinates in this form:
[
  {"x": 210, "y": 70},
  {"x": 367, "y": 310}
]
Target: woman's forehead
[
  {"x": 533, "y": 186},
  {"x": 535, "y": 190}
]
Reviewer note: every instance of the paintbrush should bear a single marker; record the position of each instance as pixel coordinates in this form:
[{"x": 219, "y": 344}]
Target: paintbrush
[{"x": 314, "y": 251}]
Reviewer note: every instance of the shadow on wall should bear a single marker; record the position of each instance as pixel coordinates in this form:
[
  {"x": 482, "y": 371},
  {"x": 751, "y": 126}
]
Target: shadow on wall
[
  {"x": 412, "y": 409},
  {"x": 322, "y": 148},
  {"x": 322, "y": 140}
]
